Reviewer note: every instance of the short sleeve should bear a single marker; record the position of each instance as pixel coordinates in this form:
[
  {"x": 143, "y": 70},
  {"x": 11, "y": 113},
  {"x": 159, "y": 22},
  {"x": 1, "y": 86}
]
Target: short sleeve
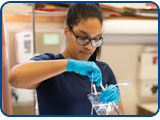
[{"x": 46, "y": 56}]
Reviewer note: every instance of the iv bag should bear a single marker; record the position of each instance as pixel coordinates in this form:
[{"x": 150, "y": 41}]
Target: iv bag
[{"x": 102, "y": 108}]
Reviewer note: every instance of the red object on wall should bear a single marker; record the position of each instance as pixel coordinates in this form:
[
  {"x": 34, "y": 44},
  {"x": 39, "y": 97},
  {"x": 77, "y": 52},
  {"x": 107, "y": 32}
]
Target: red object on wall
[
  {"x": 155, "y": 60},
  {"x": 151, "y": 5}
]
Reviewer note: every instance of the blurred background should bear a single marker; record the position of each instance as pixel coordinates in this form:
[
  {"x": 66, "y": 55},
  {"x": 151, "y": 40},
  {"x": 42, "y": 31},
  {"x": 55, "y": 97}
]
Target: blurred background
[{"x": 130, "y": 31}]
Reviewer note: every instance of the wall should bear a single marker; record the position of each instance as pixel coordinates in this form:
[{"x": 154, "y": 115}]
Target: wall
[
  {"x": 123, "y": 61},
  {"x": 13, "y": 27},
  {"x": 13, "y": 8}
]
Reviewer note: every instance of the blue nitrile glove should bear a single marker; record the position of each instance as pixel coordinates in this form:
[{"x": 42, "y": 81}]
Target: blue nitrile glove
[
  {"x": 111, "y": 94},
  {"x": 85, "y": 68}
]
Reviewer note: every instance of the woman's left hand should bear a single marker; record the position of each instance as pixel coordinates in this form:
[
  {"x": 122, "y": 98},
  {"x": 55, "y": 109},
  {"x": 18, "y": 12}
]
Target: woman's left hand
[{"x": 111, "y": 94}]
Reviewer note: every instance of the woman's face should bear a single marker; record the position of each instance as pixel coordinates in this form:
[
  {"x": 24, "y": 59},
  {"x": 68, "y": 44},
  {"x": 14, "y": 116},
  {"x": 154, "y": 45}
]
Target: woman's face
[{"x": 90, "y": 28}]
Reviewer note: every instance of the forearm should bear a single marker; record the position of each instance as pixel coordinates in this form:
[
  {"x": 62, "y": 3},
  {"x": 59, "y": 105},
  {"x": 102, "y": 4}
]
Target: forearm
[
  {"x": 28, "y": 74},
  {"x": 120, "y": 106}
]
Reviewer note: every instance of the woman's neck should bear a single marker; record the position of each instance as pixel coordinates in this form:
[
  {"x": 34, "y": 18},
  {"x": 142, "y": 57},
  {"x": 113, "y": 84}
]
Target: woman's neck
[{"x": 66, "y": 54}]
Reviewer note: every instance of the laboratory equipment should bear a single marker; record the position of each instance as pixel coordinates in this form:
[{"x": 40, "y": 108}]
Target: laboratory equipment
[
  {"x": 147, "y": 87},
  {"x": 148, "y": 75},
  {"x": 24, "y": 46},
  {"x": 102, "y": 108}
]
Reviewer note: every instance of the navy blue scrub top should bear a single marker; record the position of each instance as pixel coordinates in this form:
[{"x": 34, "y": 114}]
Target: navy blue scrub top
[{"x": 66, "y": 93}]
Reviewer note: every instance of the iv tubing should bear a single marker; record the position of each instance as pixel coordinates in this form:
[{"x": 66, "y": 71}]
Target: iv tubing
[
  {"x": 92, "y": 92},
  {"x": 125, "y": 84},
  {"x": 95, "y": 90}
]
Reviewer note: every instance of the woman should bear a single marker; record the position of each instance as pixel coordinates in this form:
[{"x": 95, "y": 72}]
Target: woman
[{"x": 63, "y": 81}]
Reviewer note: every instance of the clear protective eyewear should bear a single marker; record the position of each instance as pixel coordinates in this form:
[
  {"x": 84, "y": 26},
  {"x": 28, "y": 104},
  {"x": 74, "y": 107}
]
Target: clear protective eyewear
[{"x": 85, "y": 41}]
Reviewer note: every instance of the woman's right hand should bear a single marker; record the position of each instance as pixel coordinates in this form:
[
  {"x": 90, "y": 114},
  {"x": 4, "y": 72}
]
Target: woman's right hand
[{"x": 85, "y": 68}]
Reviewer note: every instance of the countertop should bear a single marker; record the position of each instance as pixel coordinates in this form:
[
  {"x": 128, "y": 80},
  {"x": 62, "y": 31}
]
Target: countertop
[{"x": 151, "y": 107}]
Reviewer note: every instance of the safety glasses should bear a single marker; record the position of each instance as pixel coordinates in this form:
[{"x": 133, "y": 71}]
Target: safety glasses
[{"x": 96, "y": 42}]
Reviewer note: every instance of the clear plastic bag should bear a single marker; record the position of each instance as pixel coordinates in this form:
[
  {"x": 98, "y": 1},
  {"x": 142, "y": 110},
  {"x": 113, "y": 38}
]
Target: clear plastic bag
[{"x": 102, "y": 108}]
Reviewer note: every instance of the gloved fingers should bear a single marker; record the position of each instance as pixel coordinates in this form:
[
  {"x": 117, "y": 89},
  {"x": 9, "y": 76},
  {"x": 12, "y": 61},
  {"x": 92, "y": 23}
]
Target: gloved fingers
[
  {"x": 107, "y": 100},
  {"x": 96, "y": 76},
  {"x": 103, "y": 93},
  {"x": 99, "y": 80},
  {"x": 92, "y": 75},
  {"x": 108, "y": 92},
  {"x": 110, "y": 97},
  {"x": 116, "y": 99},
  {"x": 94, "y": 79},
  {"x": 96, "y": 71},
  {"x": 111, "y": 94},
  {"x": 112, "y": 89},
  {"x": 104, "y": 98},
  {"x": 111, "y": 86}
]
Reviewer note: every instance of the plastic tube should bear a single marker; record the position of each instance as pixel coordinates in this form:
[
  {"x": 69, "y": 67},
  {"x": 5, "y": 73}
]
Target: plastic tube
[
  {"x": 124, "y": 84},
  {"x": 92, "y": 92},
  {"x": 95, "y": 90},
  {"x": 102, "y": 87}
]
